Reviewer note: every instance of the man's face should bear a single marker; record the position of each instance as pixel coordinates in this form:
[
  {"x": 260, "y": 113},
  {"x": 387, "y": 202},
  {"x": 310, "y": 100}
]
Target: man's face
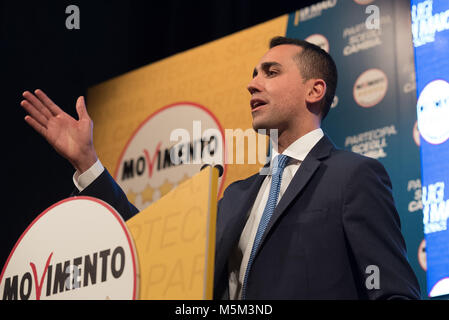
[{"x": 277, "y": 90}]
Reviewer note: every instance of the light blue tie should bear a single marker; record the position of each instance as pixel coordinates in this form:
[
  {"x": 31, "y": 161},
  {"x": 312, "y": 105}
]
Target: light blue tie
[{"x": 279, "y": 163}]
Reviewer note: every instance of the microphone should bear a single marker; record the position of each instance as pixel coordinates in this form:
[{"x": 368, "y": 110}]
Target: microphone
[{"x": 218, "y": 166}]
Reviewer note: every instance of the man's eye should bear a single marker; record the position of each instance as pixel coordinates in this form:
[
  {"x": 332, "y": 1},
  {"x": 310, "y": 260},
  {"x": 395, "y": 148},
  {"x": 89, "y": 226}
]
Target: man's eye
[{"x": 271, "y": 73}]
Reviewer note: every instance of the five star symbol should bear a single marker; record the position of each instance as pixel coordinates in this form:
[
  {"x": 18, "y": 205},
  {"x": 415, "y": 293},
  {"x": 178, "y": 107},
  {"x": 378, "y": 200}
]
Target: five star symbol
[
  {"x": 185, "y": 178},
  {"x": 147, "y": 195}
]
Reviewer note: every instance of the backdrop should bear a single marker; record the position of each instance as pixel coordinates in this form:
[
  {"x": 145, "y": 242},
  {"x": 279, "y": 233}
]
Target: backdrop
[{"x": 373, "y": 113}]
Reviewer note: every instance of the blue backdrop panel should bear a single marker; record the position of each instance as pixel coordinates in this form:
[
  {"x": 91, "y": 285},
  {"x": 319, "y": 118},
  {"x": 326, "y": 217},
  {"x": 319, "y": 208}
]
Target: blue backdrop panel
[
  {"x": 374, "y": 112},
  {"x": 431, "y": 40}
]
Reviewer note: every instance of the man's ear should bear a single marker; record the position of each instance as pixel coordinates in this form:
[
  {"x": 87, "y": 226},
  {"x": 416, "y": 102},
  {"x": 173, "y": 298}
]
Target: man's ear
[{"x": 316, "y": 90}]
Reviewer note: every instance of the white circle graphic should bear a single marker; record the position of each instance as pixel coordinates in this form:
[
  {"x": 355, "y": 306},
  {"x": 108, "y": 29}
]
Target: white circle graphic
[
  {"x": 168, "y": 148},
  {"x": 79, "y": 248},
  {"x": 370, "y": 88},
  {"x": 440, "y": 288},
  {"x": 433, "y": 112},
  {"x": 319, "y": 40}
]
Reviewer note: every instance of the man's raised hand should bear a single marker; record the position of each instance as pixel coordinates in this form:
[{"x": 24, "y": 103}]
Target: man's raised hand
[{"x": 71, "y": 138}]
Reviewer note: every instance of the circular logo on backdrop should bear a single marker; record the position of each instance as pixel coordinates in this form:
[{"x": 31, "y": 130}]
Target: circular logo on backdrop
[
  {"x": 363, "y": 2},
  {"x": 168, "y": 148},
  {"x": 334, "y": 102},
  {"x": 422, "y": 255},
  {"x": 319, "y": 40},
  {"x": 416, "y": 135},
  {"x": 433, "y": 112},
  {"x": 79, "y": 248},
  {"x": 370, "y": 88}
]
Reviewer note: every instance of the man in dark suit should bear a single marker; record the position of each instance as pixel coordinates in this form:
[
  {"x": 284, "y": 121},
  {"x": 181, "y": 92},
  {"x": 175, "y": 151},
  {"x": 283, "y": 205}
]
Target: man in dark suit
[{"x": 321, "y": 224}]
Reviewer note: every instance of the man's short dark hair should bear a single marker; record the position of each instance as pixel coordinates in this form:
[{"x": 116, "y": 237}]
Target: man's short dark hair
[{"x": 314, "y": 63}]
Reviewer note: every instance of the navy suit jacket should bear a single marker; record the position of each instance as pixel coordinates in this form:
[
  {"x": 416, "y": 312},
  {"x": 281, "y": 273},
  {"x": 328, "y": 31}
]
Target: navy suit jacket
[
  {"x": 335, "y": 221},
  {"x": 334, "y": 225}
]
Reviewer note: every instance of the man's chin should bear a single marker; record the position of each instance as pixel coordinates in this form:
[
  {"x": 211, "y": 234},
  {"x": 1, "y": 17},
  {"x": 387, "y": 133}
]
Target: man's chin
[{"x": 261, "y": 125}]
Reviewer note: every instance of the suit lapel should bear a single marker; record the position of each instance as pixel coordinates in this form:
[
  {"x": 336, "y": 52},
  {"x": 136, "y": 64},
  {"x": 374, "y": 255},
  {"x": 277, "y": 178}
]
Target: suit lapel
[
  {"x": 305, "y": 172},
  {"x": 243, "y": 201},
  {"x": 228, "y": 234}
]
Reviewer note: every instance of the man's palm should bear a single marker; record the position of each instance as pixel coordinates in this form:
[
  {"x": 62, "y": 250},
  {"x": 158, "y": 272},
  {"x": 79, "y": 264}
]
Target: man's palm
[{"x": 69, "y": 137}]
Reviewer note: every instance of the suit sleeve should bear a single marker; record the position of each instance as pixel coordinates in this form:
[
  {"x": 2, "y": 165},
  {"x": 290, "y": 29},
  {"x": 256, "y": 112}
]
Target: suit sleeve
[
  {"x": 105, "y": 188},
  {"x": 372, "y": 228}
]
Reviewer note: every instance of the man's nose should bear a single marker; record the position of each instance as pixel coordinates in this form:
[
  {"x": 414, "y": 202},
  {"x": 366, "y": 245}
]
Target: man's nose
[{"x": 254, "y": 86}]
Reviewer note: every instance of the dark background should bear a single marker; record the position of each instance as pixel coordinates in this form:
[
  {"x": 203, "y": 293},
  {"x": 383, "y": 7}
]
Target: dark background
[{"x": 37, "y": 51}]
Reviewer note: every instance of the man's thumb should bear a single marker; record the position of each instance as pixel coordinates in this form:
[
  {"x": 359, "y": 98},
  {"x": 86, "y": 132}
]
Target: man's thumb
[{"x": 81, "y": 108}]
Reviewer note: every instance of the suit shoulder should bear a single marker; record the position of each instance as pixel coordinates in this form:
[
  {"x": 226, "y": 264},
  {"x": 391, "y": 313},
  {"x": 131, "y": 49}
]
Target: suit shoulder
[
  {"x": 349, "y": 165},
  {"x": 352, "y": 159}
]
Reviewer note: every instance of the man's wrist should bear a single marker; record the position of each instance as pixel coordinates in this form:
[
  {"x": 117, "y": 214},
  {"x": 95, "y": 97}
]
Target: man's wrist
[
  {"x": 86, "y": 164},
  {"x": 83, "y": 180}
]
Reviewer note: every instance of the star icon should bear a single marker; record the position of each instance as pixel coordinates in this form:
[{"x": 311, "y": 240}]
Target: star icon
[
  {"x": 165, "y": 188},
  {"x": 185, "y": 178},
  {"x": 147, "y": 194}
]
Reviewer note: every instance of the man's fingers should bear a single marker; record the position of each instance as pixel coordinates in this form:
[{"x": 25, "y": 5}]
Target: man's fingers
[
  {"x": 37, "y": 104},
  {"x": 34, "y": 113},
  {"x": 36, "y": 126},
  {"x": 81, "y": 109},
  {"x": 55, "y": 110}
]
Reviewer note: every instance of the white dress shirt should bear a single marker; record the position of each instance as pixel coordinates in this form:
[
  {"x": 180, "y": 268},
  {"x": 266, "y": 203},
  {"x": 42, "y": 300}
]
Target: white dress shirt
[{"x": 238, "y": 262}]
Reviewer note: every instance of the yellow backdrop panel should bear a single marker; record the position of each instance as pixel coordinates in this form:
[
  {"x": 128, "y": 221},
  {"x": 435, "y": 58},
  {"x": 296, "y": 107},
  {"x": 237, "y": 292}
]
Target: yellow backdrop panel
[{"x": 214, "y": 75}]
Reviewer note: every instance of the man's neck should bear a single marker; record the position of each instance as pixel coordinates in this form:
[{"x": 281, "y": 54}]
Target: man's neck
[{"x": 286, "y": 138}]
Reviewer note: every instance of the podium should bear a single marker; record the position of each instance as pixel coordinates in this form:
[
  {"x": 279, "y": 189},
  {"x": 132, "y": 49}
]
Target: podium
[
  {"x": 175, "y": 241},
  {"x": 80, "y": 248}
]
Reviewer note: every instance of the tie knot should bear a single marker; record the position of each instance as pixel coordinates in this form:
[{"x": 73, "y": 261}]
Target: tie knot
[{"x": 279, "y": 163}]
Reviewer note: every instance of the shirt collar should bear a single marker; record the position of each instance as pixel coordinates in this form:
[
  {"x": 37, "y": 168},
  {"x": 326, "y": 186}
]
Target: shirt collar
[{"x": 299, "y": 149}]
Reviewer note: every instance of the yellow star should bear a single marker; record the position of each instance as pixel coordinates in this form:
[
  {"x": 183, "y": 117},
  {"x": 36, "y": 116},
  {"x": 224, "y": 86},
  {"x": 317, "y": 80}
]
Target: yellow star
[
  {"x": 185, "y": 178},
  {"x": 147, "y": 194},
  {"x": 165, "y": 188},
  {"x": 131, "y": 197}
]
